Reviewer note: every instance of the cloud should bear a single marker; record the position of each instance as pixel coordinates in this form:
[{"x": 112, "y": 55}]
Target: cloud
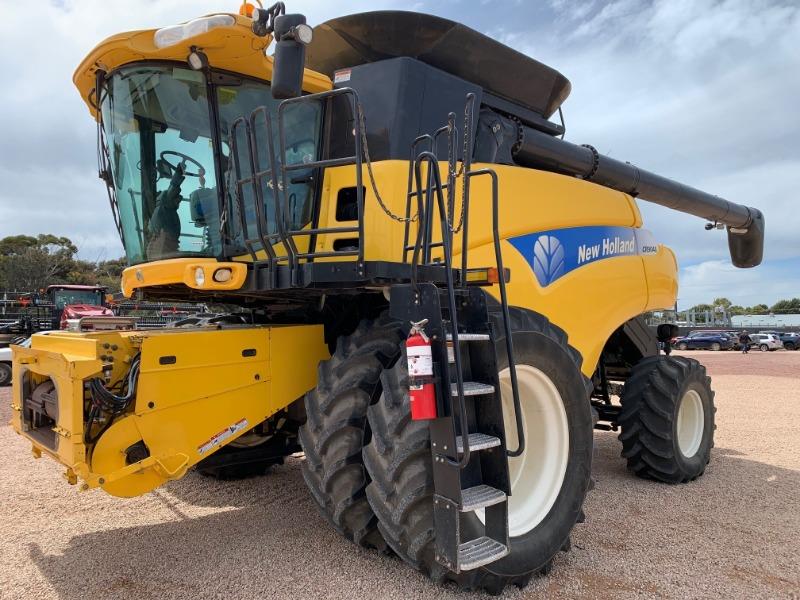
[
  {"x": 704, "y": 93},
  {"x": 705, "y": 281}
]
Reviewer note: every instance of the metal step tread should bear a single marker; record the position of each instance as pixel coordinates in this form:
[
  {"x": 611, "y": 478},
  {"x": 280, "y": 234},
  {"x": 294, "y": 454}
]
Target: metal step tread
[
  {"x": 477, "y": 441},
  {"x": 480, "y": 496},
  {"x": 478, "y": 552},
  {"x": 472, "y": 388},
  {"x": 469, "y": 337}
]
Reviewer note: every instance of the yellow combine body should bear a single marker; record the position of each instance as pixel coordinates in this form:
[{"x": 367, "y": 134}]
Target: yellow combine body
[
  {"x": 198, "y": 390},
  {"x": 438, "y": 329}
]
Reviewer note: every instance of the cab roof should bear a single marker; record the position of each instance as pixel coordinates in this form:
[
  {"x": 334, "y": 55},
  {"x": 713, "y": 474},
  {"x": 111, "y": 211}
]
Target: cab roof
[{"x": 233, "y": 48}]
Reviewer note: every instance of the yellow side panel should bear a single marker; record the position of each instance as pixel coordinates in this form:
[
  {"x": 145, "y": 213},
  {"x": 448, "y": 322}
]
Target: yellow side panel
[
  {"x": 529, "y": 201},
  {"x": 295, "y": 355},
  {"x": 67, "y": 372},
  {"x": 588, "y": 304},
  {"x": 662, "y": 279}
]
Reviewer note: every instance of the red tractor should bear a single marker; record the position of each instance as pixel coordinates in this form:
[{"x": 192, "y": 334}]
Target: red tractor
[{"x": 75, "y": 302}]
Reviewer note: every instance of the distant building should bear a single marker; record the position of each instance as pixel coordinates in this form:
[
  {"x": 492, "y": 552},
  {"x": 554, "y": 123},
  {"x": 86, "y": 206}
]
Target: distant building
[{"x": 766, "y": 321}]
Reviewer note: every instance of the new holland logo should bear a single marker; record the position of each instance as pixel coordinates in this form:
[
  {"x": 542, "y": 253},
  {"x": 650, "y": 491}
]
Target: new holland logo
[
  {"x": 554, "y": 254},
  {"x": 548, "y": 259}
]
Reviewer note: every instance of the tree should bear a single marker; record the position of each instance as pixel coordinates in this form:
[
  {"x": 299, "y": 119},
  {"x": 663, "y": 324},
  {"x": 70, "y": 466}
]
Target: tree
[
  {"x": 107, "y": 273},
  {"x": 786, "y": 306},
  {"x": 28, "y": 263},
  {"x": 758, "y": 309},
  {"x": 723, "y": 302}
]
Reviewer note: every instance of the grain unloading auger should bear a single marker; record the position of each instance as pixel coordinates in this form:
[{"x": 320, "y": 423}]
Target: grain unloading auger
[{"x": 406, "y": 214}]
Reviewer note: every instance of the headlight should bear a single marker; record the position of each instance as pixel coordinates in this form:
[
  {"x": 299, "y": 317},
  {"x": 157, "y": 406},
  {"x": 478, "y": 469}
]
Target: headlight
[
  {"x": 169, "y": 36},
  {"x": 199, "y": 276},
  {"x": 303, "y": 34},
  {"x": 222, "y": 275}
]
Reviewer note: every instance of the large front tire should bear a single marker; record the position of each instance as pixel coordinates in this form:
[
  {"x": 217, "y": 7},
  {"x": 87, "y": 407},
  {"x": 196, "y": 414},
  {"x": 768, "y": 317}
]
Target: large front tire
[
  {"x": 399, "y": 463},
  {"x": 336, "y": 430},
  {"x": 667, "y": 419}
]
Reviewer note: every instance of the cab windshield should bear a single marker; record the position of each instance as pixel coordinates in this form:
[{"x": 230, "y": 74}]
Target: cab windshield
[
  {"x": 67, "y": 297},
  {"x": 172, "y": 197}
]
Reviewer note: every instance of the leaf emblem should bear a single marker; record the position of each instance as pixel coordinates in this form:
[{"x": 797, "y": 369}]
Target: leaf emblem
[{"x": 548, "y": 259}]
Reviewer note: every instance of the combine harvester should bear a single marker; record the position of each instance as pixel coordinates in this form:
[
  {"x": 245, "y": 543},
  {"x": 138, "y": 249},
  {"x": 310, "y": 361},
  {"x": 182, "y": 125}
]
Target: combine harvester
[{"x": 385, "y": 192}]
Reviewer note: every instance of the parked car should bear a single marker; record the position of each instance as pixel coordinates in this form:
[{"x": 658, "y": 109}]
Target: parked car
[
  {"x": 766, "y": 342},
  {"x": 5, "y": 360},
  {"x": 5, "y": 365},
  {"x": 704, "y": 340},
  {"x": 790, "y": 339}
]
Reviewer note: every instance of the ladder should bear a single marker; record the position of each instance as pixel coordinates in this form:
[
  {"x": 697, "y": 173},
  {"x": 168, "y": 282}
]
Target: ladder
[
  {"x": 468, "y": 447},
  {"x": 468, "y": 441}
]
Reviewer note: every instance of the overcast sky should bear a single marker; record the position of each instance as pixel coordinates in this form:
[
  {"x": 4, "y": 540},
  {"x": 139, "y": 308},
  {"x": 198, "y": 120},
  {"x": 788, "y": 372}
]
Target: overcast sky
[{"x": 707, "y": 93}]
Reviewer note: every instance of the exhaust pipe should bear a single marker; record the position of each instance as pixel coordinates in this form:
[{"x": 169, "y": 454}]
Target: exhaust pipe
[{"x": 535, "y": 149}]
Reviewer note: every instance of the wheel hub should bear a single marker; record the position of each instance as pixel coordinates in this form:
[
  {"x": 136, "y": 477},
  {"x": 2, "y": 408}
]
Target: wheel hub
[
  {"x": 691, "y": 423},
  {"x": 536, "y": 476}
]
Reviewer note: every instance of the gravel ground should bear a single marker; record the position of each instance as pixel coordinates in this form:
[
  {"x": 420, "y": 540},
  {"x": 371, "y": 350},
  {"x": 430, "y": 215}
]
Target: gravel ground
[{"x": 732, "y": 534}]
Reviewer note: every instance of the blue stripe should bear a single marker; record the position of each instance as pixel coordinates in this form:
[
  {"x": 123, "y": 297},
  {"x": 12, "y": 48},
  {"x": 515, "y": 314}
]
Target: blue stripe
[{"x": 552, "y": 254}]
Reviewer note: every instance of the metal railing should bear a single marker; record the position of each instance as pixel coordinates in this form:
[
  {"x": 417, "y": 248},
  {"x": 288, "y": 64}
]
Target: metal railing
[
  {"x": 432, "y": 198},
  {"x": 276, "y": 228}
]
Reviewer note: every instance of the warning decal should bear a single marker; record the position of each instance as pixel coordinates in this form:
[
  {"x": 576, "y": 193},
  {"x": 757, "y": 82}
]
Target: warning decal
[
  {"x": 223, "y": 435},
  {"x": 341, "y": 76}
]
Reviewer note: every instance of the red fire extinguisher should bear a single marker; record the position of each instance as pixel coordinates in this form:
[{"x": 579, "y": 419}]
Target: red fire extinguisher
[{"x": 420, "y": 373}]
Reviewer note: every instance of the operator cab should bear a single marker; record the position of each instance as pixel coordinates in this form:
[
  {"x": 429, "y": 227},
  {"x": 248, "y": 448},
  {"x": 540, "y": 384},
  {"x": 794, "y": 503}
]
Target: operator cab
[{"x": 166, "y": 129}]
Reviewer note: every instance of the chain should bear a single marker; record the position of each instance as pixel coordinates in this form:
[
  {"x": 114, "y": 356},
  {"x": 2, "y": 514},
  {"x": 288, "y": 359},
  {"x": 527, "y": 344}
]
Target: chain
[
  {"x": 365, "y": 150},
  {"x": 454, "y": 174},
  {"x": 460, "y": 172}
]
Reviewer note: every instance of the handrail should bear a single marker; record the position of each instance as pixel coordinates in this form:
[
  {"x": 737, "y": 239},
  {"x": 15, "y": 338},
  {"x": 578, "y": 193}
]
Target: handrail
[{"x": 435, "y": 186}]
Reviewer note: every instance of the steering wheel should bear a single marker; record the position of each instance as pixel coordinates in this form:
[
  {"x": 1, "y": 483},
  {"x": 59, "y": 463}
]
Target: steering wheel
[
  {"x": 184, "y": 159},
  {"x": 302, "y": 144}
]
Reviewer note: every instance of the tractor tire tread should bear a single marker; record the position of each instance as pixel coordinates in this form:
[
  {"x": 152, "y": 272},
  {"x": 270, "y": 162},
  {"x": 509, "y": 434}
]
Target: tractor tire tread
[{"x": 336, "y": 427}]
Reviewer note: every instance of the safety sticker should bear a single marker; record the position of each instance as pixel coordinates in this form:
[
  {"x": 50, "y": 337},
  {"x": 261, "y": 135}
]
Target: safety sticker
[
  {"x": 341, "y": 76},
  {"x": 220, "y": 437}
]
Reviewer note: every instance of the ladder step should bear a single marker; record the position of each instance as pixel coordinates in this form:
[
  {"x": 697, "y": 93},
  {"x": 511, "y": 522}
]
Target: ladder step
[
  {"x": 478, "y": 552},
  {"x": 477, "y": 441},
  {"x": 480, "y": 496},
  {"x": 469, "y": 337},
  {"x": 472, "y": 388}
]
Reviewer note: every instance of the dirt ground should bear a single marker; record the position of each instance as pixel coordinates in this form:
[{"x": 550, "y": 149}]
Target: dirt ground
[{"x": 732, "y": 534}]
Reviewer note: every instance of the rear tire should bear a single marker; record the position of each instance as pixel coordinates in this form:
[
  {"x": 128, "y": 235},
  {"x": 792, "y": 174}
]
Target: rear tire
[
  {"x": 716, "y": 347},
  {"x": 5, "y": 373},
  {"x": 336, "y": 427},
  {"x": 399, "y": 462},
  {"x": 764, "y": 348},
  {"x": 667, "y": 419}
]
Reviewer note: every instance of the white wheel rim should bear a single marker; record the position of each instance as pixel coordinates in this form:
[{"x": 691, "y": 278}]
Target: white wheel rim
[
  {"x": 691, "y": 423},
  {"x": 536, "y": 476}
]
